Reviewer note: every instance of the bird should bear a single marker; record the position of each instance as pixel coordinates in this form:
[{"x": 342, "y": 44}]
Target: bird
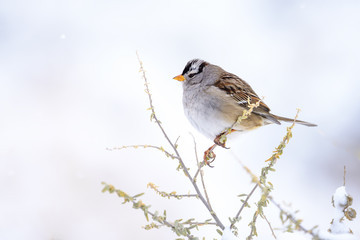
[{"x": 213, "y": 99}]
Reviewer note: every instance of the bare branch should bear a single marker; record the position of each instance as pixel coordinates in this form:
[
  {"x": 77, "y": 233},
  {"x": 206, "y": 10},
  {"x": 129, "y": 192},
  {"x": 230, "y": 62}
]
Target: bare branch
[
  {"x": 201, "y": 223},
  {"x": 201, "y": 173},
  {"x": 202, "y": 164},
  {"x": 272, "y": 230}
]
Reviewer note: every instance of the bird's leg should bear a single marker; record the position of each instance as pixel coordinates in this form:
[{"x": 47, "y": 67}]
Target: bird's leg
[{"x": 220, "y": 140}]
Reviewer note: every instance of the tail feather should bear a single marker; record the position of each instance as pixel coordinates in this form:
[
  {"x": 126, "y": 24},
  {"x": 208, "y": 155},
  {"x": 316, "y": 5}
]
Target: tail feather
[{"x": 284, "y": 119}]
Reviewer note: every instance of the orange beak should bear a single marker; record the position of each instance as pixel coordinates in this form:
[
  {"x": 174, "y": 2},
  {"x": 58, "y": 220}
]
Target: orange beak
[{"x": 179, "y": 78}]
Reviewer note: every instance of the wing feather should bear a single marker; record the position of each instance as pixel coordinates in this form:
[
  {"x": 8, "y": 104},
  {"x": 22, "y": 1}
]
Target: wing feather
[{"x": 240, "y": 91}]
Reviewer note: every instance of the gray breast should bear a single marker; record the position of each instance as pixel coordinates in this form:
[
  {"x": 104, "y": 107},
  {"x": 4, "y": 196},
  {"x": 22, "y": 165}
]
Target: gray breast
[{"x": 202, "y": 110}]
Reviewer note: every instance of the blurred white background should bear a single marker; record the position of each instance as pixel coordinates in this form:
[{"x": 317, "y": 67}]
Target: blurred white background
[{"x": 70, "y": 88}]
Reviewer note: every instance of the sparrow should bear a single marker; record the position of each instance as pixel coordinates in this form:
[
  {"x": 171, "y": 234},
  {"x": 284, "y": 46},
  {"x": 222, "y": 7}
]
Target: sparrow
[{"x": 213, "y": 99}]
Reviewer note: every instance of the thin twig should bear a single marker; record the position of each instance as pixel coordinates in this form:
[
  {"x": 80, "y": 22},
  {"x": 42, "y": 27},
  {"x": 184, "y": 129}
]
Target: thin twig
[
  {"x": 200, "y": 165},
  {"x": 199, "y": 168},
  {"x": 215, "y": 217},
  {"x": 165, "y": 222},
  {"x": 169, "y": 225},
  {"x": 203, "y": 184},
  {"x": 243, "y": 205},
  {"x": 176, "y": 141},
  {"x": 200, "y": 223},
  {"x": 144, "y": 146},
  {"x": 201, "y": 174},
  {"x": 176, "y": 226},
  {"x": 169, "y": 195},
  {"x": 293, "y": 219},
  {"x": 272, "y": 230},
  {"x": 183, "y": 195}
]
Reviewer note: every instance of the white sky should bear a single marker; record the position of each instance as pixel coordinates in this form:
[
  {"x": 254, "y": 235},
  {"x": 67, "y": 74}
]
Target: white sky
[{"x": 70, "y": 88}]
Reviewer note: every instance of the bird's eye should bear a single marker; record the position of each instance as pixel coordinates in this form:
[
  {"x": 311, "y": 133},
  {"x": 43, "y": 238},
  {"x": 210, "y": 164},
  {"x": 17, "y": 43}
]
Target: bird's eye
[{"x": 191, "y": 75}]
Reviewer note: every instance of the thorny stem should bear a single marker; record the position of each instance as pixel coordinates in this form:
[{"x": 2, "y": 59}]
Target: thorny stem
[{"x": 217, "y": 220}]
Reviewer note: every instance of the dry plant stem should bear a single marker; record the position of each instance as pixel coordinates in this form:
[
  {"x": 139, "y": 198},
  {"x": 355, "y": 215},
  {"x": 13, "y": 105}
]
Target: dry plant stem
[
  {"x": 200, "y": 223},
  {"x": 201, "y": 174},
  {"x": 169, "y": 195},
  {"x": 165, "y": 222},
  {"x": 177, "y": 226},
  {"x": 293, "y": 220},
  {"x": 205, "y": 192},
  {"x": 217, "y": 220},
  {"x": 140, "y": 204},
  {"x": 272, "y": 230},
  {"x": 184, "y": 195},
  {"x": 199, "y": 168},
  {"x": 143, "y": 146},
  {"x": 262, "y": 180},
  {"x": 243, "y": 205},
  {"x": 170, "y": 225}
]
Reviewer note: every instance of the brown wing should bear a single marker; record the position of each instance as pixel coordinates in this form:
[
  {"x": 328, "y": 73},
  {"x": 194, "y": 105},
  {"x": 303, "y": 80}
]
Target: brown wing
[{"x": 240, "y": 91}]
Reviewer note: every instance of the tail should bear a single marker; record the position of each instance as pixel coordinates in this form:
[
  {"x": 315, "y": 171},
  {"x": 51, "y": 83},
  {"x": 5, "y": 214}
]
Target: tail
[{"x": 284, "y": 119}]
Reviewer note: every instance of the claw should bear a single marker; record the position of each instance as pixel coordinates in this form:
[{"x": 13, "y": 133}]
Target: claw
[
  {"x": 209, "y": 156},
  {"x": 220, "y": 140}
]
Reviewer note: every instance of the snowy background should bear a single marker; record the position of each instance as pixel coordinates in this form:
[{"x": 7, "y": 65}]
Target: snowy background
[{"x": 70, "y": 88}]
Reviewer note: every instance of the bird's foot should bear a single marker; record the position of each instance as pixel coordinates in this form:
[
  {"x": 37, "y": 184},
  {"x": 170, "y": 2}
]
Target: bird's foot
[
  {"x": 220, "y": 140},
  {"x": 209, "y": 156}
]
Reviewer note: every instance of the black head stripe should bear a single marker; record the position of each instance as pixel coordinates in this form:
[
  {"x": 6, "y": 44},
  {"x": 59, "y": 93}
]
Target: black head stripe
[
  {"x": 187, "y": 67},
  {"x": 201, "y": 67},
  {"x": 193, "y": 64}
]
